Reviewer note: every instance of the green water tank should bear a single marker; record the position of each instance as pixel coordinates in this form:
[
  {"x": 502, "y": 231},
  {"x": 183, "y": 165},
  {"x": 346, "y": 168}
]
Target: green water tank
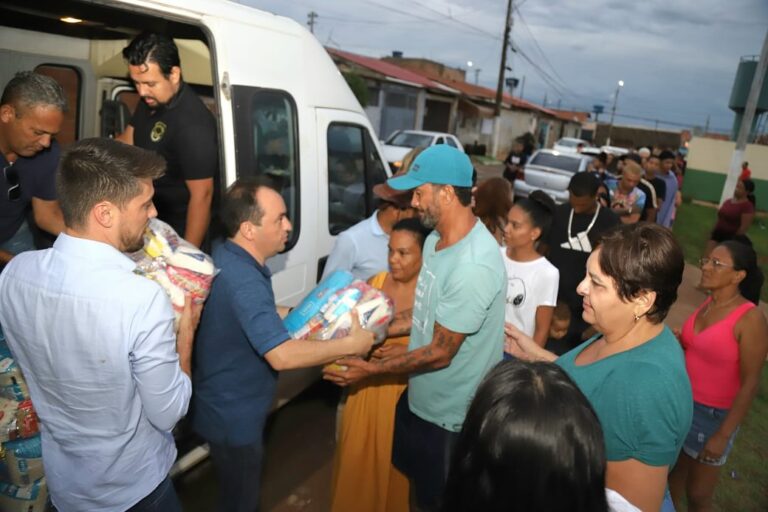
[{"x": 741, "y": 85}]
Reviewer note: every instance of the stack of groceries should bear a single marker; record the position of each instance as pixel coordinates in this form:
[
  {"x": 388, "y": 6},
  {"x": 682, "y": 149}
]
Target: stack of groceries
[
  {"x": 326, "y": 313},
  {"x": 22, "y": 479},
  {"x": 178, "y": 266}
]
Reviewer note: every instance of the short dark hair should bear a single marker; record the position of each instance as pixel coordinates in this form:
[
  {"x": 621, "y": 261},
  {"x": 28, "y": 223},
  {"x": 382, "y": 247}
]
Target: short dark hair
[
  {"x": 643, "y": 257},
  {"x": 666, "y": 155},
  {"x": 464, "y": 194},
  {"x": 153, "y": 47},
  {"x": 528, "y": 425},
  {"x": 584, "y": 184},
  {"x": 240, "y": 203},
  {"x": 414, "y": 226},
  {"x": 539, "y": 207},
  {"x": 745, "y": 258},
  {"x": 28, "y": 89},
  {"x": 634, "y": 157},
  {"x": 562, "y": 311},
  {"x": 94, "y": 170}
]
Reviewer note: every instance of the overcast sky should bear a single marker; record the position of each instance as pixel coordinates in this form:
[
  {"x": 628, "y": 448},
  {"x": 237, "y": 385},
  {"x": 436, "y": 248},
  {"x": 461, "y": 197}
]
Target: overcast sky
[{"x": 677, "y": 58}]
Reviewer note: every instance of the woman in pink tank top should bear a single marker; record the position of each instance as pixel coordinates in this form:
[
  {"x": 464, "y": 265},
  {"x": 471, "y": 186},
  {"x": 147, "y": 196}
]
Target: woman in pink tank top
[{"x": 725, "y": 342}]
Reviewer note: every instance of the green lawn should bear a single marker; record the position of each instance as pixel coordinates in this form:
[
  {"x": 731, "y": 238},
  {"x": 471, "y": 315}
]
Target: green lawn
[
  {"x": 744, "y": 479},
  {"x": 693, "y": 224}
]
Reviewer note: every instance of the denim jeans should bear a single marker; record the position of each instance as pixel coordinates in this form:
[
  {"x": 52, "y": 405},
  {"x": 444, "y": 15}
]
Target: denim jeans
[{"x": 162, "y": 499}]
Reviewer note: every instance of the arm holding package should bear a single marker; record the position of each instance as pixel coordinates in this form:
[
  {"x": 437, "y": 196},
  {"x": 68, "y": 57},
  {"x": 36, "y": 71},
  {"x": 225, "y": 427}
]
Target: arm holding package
[{"x": 163, "y": 387}]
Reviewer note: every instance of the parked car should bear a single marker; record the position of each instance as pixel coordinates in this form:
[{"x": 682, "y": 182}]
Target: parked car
[
  {"x": 550, "y": 171},
  {"x": 568, "y": 145},
  {"x": 615, "y": 150},
  {"x": 402, "y": 141}
]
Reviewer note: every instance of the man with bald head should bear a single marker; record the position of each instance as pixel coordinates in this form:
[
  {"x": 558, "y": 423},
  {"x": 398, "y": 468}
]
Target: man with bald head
[{"x": 31, "y": 113}]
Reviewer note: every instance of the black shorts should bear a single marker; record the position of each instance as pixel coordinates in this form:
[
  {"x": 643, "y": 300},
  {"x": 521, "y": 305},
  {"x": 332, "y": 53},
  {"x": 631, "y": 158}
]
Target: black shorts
[
  {"x": 422, "y": 451},
  {"x": 720, "y": 236}
]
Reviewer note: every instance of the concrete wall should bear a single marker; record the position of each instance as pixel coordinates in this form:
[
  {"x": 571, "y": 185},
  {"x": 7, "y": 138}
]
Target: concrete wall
[{"x": 708, "y": 162}]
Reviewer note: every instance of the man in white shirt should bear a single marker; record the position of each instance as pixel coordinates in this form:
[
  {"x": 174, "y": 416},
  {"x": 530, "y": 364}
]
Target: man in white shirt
[
  {"x": 363, "y": 248},
  {"x": 108, "y": 375}
]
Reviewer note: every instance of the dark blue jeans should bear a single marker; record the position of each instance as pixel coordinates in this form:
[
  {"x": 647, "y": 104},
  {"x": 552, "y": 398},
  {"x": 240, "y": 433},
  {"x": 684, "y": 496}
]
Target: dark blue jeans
[
  {"x": 162, "y": 499},
  {"x": 238, "y": 470}
]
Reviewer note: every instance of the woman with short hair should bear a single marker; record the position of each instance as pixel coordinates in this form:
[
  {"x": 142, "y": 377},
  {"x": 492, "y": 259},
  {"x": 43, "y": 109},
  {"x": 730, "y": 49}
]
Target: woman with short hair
[{"x": 633, "y": 371}]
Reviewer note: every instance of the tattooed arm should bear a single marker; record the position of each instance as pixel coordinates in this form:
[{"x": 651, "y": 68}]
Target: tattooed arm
[
  {"x": 401, "y": 324},
  {"x": 438, "y": 354}
]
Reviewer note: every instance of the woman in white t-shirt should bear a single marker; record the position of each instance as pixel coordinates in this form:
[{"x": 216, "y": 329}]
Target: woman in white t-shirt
[{"x": 531, "y": 279}]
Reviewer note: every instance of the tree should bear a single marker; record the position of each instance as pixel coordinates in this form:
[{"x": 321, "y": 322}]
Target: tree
[{"x": 358, "y": 86}]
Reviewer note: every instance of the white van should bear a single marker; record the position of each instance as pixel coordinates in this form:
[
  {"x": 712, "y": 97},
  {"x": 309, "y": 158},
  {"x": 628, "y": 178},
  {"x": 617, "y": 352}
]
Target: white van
[{"x": 283, "y": 109}]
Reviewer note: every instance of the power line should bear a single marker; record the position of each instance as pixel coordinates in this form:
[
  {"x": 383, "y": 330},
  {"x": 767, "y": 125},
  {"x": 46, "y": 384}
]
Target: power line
[{"x": 538, "y": 47}]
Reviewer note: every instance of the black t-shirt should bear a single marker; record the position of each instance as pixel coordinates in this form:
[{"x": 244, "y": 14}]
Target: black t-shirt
[
  {"x": 660, "y": 187},
  {"x": 572, "y": 262},
  {"x": 37, "y": 177},
  {"x": 649, "y": 199},
  {"x": 184, "y": 133}
]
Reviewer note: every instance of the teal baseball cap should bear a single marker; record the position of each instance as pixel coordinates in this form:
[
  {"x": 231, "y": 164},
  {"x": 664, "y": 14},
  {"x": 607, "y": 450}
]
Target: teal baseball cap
[{"x": 439, "y": 164}]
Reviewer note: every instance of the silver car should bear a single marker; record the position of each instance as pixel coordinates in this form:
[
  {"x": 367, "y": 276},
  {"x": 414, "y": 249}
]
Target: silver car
[{"x": 550, "y": 171}]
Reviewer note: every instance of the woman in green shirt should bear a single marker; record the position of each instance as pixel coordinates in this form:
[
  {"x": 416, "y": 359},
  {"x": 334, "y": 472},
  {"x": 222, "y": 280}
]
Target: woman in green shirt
[{"x": 633, "y": 371}]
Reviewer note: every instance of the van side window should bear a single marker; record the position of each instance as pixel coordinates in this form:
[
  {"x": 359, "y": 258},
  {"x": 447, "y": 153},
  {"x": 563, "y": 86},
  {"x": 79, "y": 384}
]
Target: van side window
[
  {"x": 266, "y": 139},
  {"x": 69, "y": 79},
  {"x": 354, "y": 167}
]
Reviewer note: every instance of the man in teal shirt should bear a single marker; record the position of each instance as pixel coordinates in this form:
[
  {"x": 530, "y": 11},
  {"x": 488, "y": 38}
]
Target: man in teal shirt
[{"x": 457, "y": 327}]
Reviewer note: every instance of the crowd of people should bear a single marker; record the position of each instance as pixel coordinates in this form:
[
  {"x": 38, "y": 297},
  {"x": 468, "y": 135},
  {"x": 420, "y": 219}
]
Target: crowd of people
[{"x": 527, "y": 365}]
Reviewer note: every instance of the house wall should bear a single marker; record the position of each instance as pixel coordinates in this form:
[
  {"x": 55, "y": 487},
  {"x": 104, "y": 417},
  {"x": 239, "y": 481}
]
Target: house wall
[{"x": 708, "y": 163}]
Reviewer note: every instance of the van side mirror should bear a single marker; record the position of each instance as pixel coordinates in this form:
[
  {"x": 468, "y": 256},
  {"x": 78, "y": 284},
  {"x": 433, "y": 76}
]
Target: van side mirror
[{"x": 114, "y": 116}]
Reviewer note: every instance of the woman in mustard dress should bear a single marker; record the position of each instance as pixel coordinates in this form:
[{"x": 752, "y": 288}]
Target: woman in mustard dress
[{"x": 364, "y": 478}]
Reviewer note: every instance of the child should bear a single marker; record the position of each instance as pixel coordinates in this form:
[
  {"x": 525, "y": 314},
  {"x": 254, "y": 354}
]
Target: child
[{"x": 557, "y": 341}]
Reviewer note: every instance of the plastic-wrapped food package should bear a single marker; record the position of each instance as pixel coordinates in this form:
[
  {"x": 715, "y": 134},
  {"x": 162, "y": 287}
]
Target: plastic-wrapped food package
[
  {"x": 18, "y": 420},
  {"x": 334, "y": 320},
  {"x": 178, "y": 266},
  {"x": 21, "y": 461},
  {"x": 316, "y": 299},
  {"x": 28, "y": 498}
]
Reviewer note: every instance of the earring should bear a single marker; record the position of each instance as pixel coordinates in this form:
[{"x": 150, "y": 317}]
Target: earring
[{"x": 637, "y": 318}]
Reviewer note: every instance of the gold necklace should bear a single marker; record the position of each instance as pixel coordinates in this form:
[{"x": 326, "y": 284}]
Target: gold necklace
[{"x": 709, "y": 305}]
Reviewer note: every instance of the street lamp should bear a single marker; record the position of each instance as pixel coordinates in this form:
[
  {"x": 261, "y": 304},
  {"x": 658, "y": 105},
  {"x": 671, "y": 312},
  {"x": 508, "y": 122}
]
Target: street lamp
[
  {"x": 613, "y": 111},
  {"x": 476, "y": 70}
]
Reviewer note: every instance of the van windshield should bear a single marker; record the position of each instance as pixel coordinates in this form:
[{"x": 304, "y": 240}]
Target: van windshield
[{"x": 409, "y": 140}]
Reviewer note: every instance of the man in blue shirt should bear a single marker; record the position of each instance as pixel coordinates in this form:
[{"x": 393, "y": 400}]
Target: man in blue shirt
[
  {"x": 242, "y": 342},
  {"x": 667, "y": 212},
  {"x": 31, "y": 113},
  {"x": 108, "y": 375},
  {"x": 457, "y": 327}
]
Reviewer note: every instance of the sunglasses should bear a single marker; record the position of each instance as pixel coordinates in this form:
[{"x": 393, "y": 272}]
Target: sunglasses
[
  {"x": 717, "y": 264},
  {"x": 14, "y": 185}
]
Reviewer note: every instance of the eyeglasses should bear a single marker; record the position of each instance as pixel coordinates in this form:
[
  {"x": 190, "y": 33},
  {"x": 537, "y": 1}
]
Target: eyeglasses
[
  {"x": 14, "y": 185},
  {"x": 715, "y": 263}
]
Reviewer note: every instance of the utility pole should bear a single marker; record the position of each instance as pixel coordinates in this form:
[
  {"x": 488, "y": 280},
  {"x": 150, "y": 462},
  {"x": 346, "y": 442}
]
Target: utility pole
[
  {"x": 503, "y": 65},
  {"x": 746, "y": 123},
  {"x": 495, "y": 141},
  {"x": 706, "y": 126},
  {"x": 311, "y": 20},
  {"x": 613, "y": 111},
  {"x": 522, "y": 87}
]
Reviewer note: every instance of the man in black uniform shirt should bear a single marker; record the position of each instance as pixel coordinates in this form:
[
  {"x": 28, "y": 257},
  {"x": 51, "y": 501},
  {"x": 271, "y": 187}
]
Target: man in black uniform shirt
[
  {"x": 576, "y": 227},
  {"x": 175, "y": 123}
]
